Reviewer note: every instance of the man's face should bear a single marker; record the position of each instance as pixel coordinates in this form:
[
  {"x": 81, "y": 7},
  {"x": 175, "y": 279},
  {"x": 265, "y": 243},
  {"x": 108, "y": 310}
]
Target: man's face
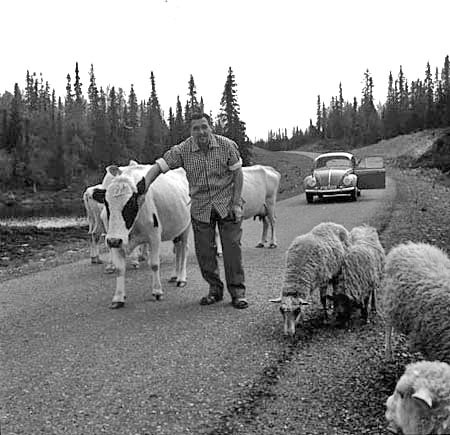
[{"x": 200, "y": 131}]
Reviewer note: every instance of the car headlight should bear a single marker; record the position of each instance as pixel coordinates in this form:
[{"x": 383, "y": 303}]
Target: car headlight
[
  {"x": 347, "y": 180},
  {"x": 311, "y": 182}
]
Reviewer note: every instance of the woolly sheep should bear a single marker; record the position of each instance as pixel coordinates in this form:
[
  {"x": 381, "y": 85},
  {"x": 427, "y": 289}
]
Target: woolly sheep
[
  {"x": 361, "y": 275},
  {"x": 420, "y": 403},
  {"x": 313, "y": 260},
  {"x": 416, "y": 298}
]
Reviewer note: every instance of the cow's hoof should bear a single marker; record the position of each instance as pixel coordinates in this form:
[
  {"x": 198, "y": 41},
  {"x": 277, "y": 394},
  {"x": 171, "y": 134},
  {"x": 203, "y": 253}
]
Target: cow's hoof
[
  {"x": 260, "y": 245},
  {"x": 109, "y": 270},
  {"x": 116, "y": 305},
  {"x": 273, "y": 245},
  {"x": 157, "y": 297},
  {"x": 96, "y": 260},
  {"x": 181, "y": 283},
  {"x": 172, "y": 279},
  {"x": 135, "y": 265}
]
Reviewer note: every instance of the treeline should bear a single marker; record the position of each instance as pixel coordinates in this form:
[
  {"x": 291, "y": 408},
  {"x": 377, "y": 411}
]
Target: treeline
[
  {"x": 409, "y": 106},
  {"x": 51, "y": 142}
]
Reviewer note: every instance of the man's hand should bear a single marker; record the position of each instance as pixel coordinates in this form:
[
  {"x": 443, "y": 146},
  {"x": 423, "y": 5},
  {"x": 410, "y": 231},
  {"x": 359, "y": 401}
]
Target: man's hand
[{"x": 237, "y": 212}]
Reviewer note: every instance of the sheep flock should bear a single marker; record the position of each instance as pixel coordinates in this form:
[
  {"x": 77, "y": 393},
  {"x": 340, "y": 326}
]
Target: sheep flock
[{"x": 409, "y": 289}]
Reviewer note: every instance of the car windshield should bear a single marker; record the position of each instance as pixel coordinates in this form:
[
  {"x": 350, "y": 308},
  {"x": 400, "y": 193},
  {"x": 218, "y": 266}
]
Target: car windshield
[{"x": 333, "y": 162}]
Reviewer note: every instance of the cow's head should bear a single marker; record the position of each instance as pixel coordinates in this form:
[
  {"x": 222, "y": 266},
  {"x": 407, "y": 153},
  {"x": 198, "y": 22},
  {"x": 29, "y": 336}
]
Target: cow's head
[
  {"x": 122, "y": 198},
  {"x": 291, "y": 310}
]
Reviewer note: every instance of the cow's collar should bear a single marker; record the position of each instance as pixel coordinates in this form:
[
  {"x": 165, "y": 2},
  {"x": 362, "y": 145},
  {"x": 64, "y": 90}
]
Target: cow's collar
[{"x": 212, "y": 143}]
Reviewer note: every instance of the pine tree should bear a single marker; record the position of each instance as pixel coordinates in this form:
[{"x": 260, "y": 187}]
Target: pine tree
[
  {"x": 319, "y": 125},
  {"x": 429, "y": 100},
  {"x": 445, "y": 78},
  {"x": 179, "y": 123},
  {"x": 15, "y": 125},
  {"x": 193, "y": 103},
  {"x": 69, "y": 96},
  {"x": 133, "y": 120},
  {"x": 232, "y": 125}
]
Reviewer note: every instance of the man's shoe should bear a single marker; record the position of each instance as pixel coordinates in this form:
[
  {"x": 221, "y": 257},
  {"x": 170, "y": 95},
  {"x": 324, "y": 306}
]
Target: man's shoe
[
  {"x": 210, "y": 299},
  {"x": 239, "y": 303}
]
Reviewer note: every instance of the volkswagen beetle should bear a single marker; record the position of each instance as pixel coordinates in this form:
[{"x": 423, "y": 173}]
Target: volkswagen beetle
[{"x": 341, "y": 173}]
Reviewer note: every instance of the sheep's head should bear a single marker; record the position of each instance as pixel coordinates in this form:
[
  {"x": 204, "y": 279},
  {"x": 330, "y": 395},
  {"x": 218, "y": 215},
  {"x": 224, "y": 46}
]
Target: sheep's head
[
  {"x": 291, "y": 310},
  {"x": 414, "y": 407},
  {"x": 343, "y": 309}
]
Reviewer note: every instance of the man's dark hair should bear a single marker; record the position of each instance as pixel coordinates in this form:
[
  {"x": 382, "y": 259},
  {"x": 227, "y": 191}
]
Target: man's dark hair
[{"x": 200, "y": 115}]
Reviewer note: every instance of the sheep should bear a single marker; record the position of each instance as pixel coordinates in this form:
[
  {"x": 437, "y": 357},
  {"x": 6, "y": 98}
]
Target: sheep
[
  {"x": 416, "y": 299},
  {"x": 313, "y": 260},
  {"x": 420, "y": 403},
  {"x": 360, "y": 276}
]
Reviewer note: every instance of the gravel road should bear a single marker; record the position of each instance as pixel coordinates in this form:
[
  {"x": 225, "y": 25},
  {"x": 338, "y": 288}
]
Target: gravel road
[{"x": 70, "y": 365}]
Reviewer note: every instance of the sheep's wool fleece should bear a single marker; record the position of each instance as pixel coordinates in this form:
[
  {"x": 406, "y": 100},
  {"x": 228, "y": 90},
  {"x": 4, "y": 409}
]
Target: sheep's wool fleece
[
  {"x": 362, "y": 268},
  {"x": 314, "y": 258},
  {"x": 416, "y": 297},
  {"x": 435, "y": 377}
]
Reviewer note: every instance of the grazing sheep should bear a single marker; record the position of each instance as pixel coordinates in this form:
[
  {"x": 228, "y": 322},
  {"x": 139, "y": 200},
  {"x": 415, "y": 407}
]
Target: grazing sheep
[
  {"x": 416, "y": 298},
  {"x": 361, "y": 275},
  {"x": 313, "y": 261},
  {"x": 421, "y": 400}
]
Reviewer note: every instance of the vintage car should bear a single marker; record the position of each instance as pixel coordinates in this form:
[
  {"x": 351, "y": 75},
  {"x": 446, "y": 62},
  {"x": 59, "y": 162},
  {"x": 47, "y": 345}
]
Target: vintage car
[{"x": 341, "y": 173}]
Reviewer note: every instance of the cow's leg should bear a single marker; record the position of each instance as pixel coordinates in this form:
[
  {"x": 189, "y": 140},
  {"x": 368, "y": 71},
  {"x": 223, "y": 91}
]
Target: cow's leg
[
  {"x": 263, "y": 240},
  {"x": 119, "y": 261},
  {"x": 271, "y": 223},
  {"x": 181, "y": 258},
  {"x": 94, "y": 248},
  {"x": 154, "y": 263},
  {"x": 134, "y": 257},
  {"x": 109, "y": 267},
  {"x": 218, "y": 244}
]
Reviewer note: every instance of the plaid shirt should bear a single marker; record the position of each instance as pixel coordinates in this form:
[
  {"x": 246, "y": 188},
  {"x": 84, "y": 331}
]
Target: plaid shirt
[{"x": 210, "y": 174}]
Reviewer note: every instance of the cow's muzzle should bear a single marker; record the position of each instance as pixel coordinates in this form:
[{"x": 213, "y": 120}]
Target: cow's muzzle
[{"x": 114, "y": 243}]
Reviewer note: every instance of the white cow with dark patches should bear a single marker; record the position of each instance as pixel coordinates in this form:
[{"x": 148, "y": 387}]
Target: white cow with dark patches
[
  {"x": 138, "y": 214},
  {"x": 259, "y": 194},
  {"x": 97, "y": 228}
]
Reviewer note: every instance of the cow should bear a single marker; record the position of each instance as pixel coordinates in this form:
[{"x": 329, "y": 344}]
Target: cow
[
  {"x": 259, "y": 195},
  {"x": 138, "y": 214},
  {"x": 97, "y": 228}
]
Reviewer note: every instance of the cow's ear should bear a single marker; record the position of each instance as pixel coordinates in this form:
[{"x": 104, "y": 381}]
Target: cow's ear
[
  {"x": 141, "y": 186},
  {"x": 99, "y": 195},
  {"x": 114, "y": 170},
  {"x": 133, "y": 163}
]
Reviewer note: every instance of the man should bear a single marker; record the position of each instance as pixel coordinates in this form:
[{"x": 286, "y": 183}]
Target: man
[{"x": 214, "y": 170}]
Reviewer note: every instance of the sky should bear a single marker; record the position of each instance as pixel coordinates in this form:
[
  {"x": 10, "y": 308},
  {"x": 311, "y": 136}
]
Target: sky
[{"x": 284, "y": 53}]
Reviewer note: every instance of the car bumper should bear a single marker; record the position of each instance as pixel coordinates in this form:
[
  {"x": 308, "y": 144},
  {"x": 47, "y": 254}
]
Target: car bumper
[{"x": 336, "y": 191}]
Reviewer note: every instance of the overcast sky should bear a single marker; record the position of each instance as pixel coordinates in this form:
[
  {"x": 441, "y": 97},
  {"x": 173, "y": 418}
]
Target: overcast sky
[{"x": 283, "y": 52}]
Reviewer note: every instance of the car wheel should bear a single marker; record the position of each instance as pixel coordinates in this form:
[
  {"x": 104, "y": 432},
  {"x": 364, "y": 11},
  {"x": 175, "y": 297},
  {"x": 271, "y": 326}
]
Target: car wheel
[
  {"x": 309, "y": 198},
  {"x": 354, "y": 195}
]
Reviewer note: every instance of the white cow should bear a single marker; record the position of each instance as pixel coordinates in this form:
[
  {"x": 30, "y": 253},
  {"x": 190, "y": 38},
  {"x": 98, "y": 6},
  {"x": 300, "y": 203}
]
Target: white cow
[
  {"x": 97, "y": 228},
  {"x": 137, "y": 214},
  {"x": 259, "y": 194}
]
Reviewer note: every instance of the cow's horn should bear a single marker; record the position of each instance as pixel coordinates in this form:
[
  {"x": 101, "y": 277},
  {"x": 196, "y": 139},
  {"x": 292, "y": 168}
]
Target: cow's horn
[{"x": 276, "y": 300}]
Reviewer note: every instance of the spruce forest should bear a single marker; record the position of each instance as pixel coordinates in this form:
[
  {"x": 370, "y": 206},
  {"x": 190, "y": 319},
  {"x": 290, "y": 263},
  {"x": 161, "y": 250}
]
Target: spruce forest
[{"x": 50, "y": 142}]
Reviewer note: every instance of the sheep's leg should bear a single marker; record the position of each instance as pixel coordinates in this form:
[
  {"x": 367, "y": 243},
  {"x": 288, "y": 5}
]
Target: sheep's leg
[
  {"x": 387, "y": 342},
  {"x": 373, "y": 304},
  {"x": 323, "y": 300}
]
